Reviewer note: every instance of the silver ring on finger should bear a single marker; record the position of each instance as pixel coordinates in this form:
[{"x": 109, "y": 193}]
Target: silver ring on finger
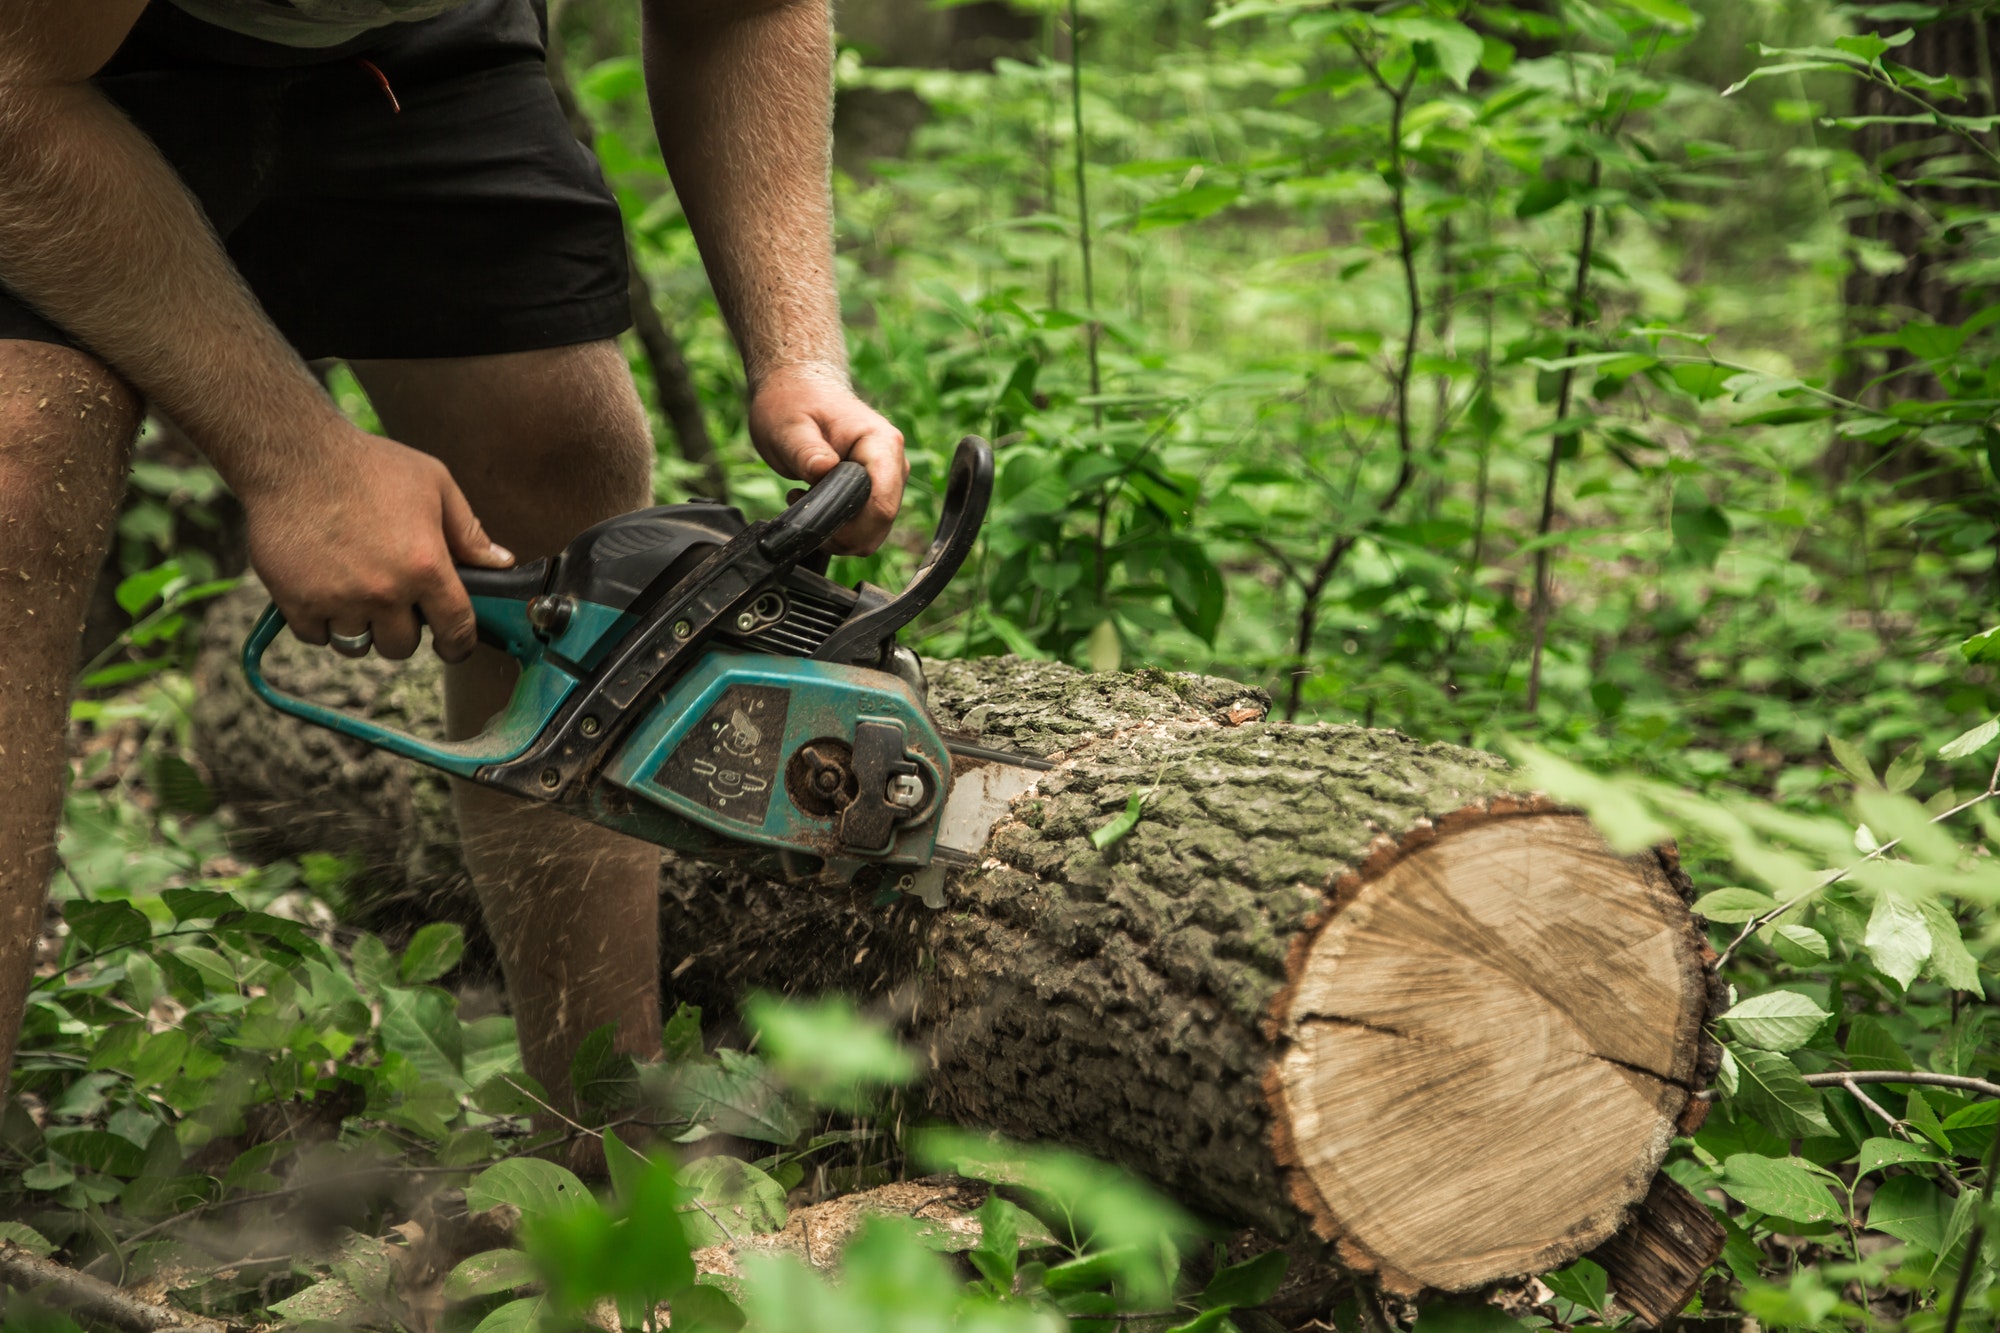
[{"x": 352, "y": 645}]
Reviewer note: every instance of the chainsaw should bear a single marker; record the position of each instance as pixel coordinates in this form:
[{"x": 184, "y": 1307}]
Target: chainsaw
[{"x": 697, "y": 681}]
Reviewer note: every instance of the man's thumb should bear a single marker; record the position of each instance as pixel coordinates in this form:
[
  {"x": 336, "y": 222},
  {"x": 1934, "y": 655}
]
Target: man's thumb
[{"x": 466, "y": 537}]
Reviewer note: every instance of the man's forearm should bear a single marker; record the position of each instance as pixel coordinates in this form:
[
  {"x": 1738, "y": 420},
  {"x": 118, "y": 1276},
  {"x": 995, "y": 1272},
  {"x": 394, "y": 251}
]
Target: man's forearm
[
  {"x": 742, "y": 95},
  {"x": 98, "y": 233}
]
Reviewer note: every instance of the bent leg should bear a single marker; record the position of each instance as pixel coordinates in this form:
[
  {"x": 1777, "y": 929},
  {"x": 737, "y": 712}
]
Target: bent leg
[
  {"x": 66, "y": 426},
  {"x": 544, "y": 444}
]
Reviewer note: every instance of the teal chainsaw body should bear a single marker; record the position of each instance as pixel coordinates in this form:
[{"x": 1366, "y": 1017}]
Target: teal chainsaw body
[{"x": 688, "y": 678}]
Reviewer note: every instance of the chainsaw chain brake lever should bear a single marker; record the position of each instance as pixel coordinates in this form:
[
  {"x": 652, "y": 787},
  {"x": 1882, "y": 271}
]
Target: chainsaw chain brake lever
[{"x": 867, "y": 637}]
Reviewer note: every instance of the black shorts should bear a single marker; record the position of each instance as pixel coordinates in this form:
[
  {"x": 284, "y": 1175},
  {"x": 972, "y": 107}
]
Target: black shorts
[{"x": 470, "y": 222}]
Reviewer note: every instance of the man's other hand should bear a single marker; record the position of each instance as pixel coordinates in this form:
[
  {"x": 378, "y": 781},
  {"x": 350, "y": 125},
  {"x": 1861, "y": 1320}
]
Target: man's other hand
[
  {"x": 804, "y": 420},
  {"x": 360, "y": 536}
]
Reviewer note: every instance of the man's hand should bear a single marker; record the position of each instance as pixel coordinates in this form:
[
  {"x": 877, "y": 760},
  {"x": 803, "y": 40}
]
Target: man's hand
[
  {"x": 359, "y": 535},
  {"x": 804, "y": 420}
]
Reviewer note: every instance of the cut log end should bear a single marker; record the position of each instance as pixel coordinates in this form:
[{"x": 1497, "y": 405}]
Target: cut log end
[{"x": 1511, "y": 1005}]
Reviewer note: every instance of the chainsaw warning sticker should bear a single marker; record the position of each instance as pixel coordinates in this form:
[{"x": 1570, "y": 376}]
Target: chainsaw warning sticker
[{"x": 730, "y": 759}]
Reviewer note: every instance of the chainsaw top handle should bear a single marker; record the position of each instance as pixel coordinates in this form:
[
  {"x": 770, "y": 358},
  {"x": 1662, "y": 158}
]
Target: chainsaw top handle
[{"x": 822, "y": 511}]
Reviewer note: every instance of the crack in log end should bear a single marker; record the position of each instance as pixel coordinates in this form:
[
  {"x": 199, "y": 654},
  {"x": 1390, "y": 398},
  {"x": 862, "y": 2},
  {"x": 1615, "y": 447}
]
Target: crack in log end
[
  {"x": 1640, "y": 1070},
  {"x": 1366, "y": 1025}
]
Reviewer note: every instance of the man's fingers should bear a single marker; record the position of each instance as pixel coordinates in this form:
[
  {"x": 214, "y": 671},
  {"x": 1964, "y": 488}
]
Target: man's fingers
[
  {"x": 448, "y": 611},
  {"x": 800, "y": 449},
  {"x": 881, "y": 452},
  {"x": 306, "y": 626},
  {"x": 466, "y": 536},
  {"x": 397, "y": 631}
]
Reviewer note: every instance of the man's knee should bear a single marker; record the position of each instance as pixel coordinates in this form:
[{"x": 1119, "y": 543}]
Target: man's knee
[
  {"x": 544, "y": 442},
  {"x": 66, "y": 425}
]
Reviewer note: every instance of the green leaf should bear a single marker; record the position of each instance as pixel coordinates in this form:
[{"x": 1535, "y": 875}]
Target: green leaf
[
  {"x": 999, "y": 1250},
  {"x": 704, "y": 1309},
  {"x": 1773, "y": 1091},
  {"x": 1905, "y": 769},
  {"x": 603, "y": 1076},
  {"x": 1971, "y": 742},
  {"x": 1455, "y": 47},
  {"x": 1852, "y": 761},
  {"x": 735, "y": 1095},
  {"x": 1777, "y": 1020},
  {"x": 1734, "y": 906},
  {"x": 434, "y": 951},
  {"x": 681, "y": 1038},
  {"x": 1669, "y": 13},
  {"x": 177, "y": 786},
  {"x": 522, "y": 1316},
  {"x": 1950, "y": 961},
  {"x": 1898, "y": 939},
  {"x": 1917, "y": 1110},
  {"x": 488, "y": 1273},
  {"x": 101, "y": 927},
  {"x": 1879, "y": 1153},
  {"x": 1801, "y": 946},
  {"x": 624, "y": 1165},
  {"x": 1583, "y": 1282},
  {"x": 1247, "y": 1284},
  {"x": 1869, "y": 1046},
  {"x": 136, "y": 590},
  {"x": 422, "y": 1026},
  {"x": 199, "y": 904},
  {"x": 100, "y": 1150},
  {"x": 1185, "y": 206},
  {"x": 741, "y": 1198},
  {"x": 509, "y": 1094},
  {"x": 373, "y": 968},
  {"x": 536, "y": 1187},
  {"x": 1782, "y": 1186},
  {"x": 826, "y": 1049},
  {"x": 1113, "y": 830},
  {"x": 1911, "y": 1209},
  {"x": 1540, "y": 196},
  {"x": 29, "y": 1239},
  {"x": 1464, "y": 1315}
]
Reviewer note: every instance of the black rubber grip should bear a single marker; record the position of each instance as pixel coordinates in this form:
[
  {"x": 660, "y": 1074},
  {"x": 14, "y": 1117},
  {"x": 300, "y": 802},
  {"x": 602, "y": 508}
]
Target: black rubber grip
[
  {"x": 806, "y": 526},
  {"x": 522, "y": 583}
]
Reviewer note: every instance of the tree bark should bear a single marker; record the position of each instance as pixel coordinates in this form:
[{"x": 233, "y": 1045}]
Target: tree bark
[{"x": 1334, "y": 979}]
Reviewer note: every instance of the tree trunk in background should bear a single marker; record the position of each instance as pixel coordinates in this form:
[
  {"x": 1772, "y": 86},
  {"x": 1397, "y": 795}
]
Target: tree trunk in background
[
  {"x": 1922, "y": 288},
  {"x": 871, "y": 123},
  {"x": 1335, "y": 979}
]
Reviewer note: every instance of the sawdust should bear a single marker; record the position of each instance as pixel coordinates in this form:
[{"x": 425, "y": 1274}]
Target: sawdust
[{"x": 942, "y": 1206}]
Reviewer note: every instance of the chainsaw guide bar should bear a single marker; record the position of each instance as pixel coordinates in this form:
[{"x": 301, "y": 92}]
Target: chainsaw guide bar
[{"x": 695, "y": 680}]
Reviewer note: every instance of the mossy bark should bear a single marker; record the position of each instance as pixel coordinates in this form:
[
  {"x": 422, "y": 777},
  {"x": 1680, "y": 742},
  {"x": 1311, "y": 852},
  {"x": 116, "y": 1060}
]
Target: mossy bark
[{"x": 1124, "y": 1002}]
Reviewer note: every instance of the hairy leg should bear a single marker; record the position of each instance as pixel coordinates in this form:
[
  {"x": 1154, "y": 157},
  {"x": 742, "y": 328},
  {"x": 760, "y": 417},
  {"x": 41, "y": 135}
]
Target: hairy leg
[
  {"x": 544, "y": 444},
  {"x": 66, "y": 426}
]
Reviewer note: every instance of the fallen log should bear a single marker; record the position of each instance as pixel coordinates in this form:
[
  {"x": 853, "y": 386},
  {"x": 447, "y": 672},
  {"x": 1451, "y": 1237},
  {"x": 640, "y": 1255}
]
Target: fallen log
[{"x": 1334, "y": 978}]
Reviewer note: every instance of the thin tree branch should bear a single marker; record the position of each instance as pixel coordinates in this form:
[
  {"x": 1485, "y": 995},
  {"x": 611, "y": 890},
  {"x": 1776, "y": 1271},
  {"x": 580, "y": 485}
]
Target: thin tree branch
[
  {"x": 1837, "y": 1077},
  {"x": 1323, "y": 572},
  {"x": 93, "y": 1297},
  {"x": 1538, "y": 613}
]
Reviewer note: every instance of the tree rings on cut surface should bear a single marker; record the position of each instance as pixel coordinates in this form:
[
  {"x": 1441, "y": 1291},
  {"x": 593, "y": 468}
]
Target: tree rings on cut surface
[{"x": 1484, "y": 1048}]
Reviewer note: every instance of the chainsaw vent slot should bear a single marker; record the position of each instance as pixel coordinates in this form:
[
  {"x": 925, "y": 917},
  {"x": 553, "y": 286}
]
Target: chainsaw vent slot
[{"x": 808, "y": 622}]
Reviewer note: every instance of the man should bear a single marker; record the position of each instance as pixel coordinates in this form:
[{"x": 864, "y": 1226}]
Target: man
[{"x": 197, "y": 194}]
